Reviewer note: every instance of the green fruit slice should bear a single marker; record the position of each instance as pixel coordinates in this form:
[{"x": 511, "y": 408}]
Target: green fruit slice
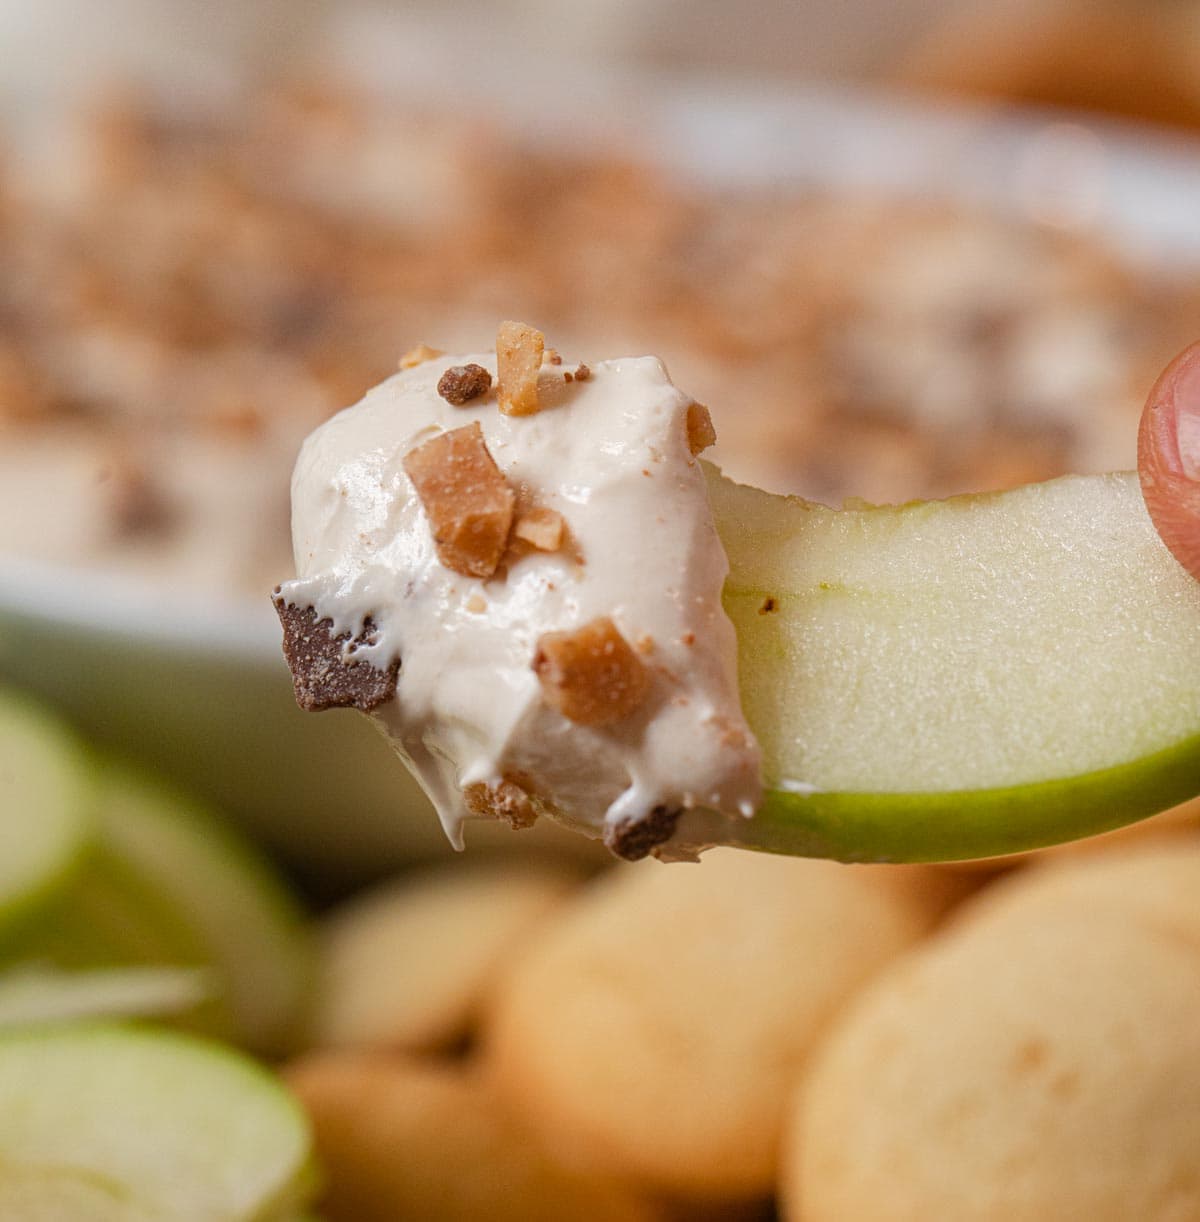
[
  {"x": 168, "y": 883},
  {"x": 46, "y": 995},
  {"x": 165, "y": 1124},
  {"x": 44, "y": 799},
  {"x": 56, "y": 1194},
  {"x": 962, "y": 678}
]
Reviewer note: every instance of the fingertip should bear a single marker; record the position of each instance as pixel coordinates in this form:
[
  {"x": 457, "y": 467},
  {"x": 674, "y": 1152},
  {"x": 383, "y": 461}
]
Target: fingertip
[{"x": 1169, "y": 457}]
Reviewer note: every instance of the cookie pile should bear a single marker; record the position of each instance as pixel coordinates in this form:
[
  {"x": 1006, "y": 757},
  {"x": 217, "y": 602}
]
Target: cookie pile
[{"x": 835, "y": 1043}]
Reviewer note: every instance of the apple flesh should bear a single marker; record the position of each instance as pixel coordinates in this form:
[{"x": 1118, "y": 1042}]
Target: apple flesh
[
  {"x": 120, "y": 1124},
  {"x": 963, "y": 678},
  {"x": 37, "y": 994}
]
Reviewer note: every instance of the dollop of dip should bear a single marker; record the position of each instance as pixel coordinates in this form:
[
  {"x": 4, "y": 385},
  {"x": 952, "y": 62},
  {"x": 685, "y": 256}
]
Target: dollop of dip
[{"x": 511, "y": 563}]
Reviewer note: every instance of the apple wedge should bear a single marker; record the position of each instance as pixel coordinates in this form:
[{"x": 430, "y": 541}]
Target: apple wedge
[
  {"x": 32, "y": 994},
  {"x": 166, "y": 882},
  {"x": 122, "y": 1123},
  {"x": 44, "y": 808},
  {"x": 963, "y": 678}
]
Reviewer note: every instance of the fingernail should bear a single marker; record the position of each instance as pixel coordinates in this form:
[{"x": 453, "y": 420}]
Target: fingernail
[
  {"x": 1187, "y": 439},
  {"x": 1179, "y": 423}
]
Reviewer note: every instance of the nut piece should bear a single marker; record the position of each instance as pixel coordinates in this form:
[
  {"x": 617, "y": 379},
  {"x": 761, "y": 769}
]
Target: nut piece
[
  {"x": 507, "y": 801},
  {"x": 542, "y": 529},
  {"x": 519, "y": 351},
  {"x": 462, "y": 383},
  {"x": 591, "y": 675},
  {"x": 468, "y": 502},
  {"x": 700, "y": 431},
  {"x": 325, "y": 674},
  {"x": 419, "y": 355}
]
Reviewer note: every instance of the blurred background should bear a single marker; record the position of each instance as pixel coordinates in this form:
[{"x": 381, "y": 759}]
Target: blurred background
[{"x": 902, "y": 248}]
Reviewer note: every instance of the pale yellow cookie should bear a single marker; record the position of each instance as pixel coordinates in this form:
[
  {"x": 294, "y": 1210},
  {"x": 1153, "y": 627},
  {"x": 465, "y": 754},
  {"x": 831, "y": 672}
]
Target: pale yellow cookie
[
  {"x": 1153, "y": 880},
  {"x": 406, "y": 965},
  {"x": 656, "y": 1028},
  {"x": 401, "y": 1139},
  {"x": 1039, "y": 1062}
]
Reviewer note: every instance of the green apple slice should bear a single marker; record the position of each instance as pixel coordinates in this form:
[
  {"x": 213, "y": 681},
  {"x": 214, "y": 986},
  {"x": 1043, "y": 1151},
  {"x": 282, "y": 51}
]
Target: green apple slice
[
  {"x": 44, "y": 800},
  {"x": 253, "y": 931},
  {"x": 963, "y": 678},
  {"x": 157, "y": 1124},
  {"x": 168, "y": 883},
  {"x": 35, "y": 994},
  {"x": 55, "y": 1194}
]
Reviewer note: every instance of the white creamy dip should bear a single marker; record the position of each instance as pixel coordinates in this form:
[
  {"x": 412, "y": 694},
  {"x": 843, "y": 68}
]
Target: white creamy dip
[{"x": 611, "y": 455}]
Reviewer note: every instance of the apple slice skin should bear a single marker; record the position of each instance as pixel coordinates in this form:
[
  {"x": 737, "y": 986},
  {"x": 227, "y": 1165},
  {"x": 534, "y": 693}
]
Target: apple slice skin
[
  {"x": 37, "y": 748},
  {"x": 969, "y": 824},
  {"x": 943, "y": 822},
  {"x": 165, "y": 883},
  {"x": 249, "y": 928}
]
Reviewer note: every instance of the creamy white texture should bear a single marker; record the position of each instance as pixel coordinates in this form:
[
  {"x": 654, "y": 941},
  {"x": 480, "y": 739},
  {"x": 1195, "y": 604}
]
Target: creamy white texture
[{"x": 611, "y": 455}]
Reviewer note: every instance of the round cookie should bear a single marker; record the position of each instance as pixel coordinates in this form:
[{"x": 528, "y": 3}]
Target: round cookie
[
  {"x": 1153, "y": 880},
  {"x": 407, "y": 964},
  {"x": 1041, "y": 1062},
  {"x": 656, "y": 1030},
  {"x": 401, "y": 1138}
]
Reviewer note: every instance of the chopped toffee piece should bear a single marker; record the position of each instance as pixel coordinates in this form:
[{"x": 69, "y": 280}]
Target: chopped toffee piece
[
  {"x": 419, "y": 355},
  {"x": 508, "y": 802},
  {"x": 700, "y": 430},
  {"x": 462, "y": 383},
  {"x": 325, "y": 674},
  {"x": 519, "y": 351},
  {"x": 591, "y": 675},
  {"x": 582, "y": 373},
  {"x": 543, "y": 529},
  {"x": 467, "y": 500},
  {"x": 634, "y": 840}
]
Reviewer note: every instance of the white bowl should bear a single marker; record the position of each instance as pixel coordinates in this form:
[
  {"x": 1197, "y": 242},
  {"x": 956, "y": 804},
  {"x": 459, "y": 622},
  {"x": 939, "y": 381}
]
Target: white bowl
[{"x": 204, "y": 693}]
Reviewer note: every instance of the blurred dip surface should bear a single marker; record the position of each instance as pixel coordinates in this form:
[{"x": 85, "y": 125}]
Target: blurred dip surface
[{"x": 184, "y": 297}]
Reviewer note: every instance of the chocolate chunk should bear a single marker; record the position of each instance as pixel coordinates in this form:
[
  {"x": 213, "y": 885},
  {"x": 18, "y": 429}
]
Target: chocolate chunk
[
  {"x": 637, "y": 839},
  {"x": 325, "y": 675},
  {"x": 462, "y": 383}
]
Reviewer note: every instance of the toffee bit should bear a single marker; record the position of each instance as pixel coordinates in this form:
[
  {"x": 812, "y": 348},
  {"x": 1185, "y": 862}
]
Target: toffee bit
[
  {"x": 519, "y": 351},
  {"x": 462, "y": 383},
  {"x": 700, "y": 431},
  {"x": 543, "y": 529},
  {"x": 591, "y": 675},
  {"x": 466, "y": 498},
  {"x": 419, "y": 355},
  {"x": 325, "y": 675},
  {"x": 582, "y": 373},
  {"x": 508, "y": 801}
]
